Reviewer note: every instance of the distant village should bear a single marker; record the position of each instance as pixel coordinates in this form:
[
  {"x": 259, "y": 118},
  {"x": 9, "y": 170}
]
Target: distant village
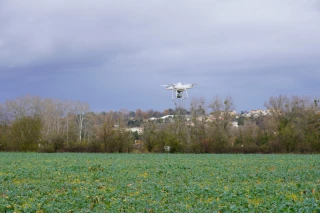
[{"x": 204, "y": 118}]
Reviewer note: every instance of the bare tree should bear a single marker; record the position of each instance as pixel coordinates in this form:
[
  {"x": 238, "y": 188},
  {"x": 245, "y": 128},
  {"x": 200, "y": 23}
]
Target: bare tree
[
  {"x": 88, "y": 127},
  {"x": 108, "y": 133},
  {"x": 197, "y": 124},
  {"x": 23, "y": 106},
  {"x": 248, "y": 135},
  {"x": 124, "y": 114},
  {"x": 222, "y": 109},
  {"x": 3, "y": 115},
  {"x": 68, "y": 109},
  {"x": 140, "y": 115},
  {"x": 293, "y": 122},
  {"x": 150, "y": 136},
  {"x": 52, "y": 115},
  {"x": 219, "y": 129},
  {"x": 80, "y": 108}
]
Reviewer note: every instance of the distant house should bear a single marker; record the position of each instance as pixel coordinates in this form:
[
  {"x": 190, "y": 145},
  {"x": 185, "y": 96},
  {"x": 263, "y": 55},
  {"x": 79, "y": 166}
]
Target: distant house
[
  {"x": 235, "y": 124},
  {"x": 259, "y": 112},
  {"x": 139, "y": 130},
  {"x": 232, "y": 113},
  {"x": 256, "y": 113},
  {"x": 167, "y": 116}
]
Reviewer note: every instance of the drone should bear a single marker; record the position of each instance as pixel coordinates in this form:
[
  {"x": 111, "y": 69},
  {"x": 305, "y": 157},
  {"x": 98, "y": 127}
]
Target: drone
[{"x": 179, "y": 89}]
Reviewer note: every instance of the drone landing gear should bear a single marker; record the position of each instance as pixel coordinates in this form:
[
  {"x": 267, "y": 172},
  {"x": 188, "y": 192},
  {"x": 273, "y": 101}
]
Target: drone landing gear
[{"x": 179, "y": 94}]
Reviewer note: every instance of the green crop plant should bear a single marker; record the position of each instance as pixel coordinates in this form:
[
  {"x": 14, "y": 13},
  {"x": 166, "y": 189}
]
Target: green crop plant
[{"x": 70, "y": 182}]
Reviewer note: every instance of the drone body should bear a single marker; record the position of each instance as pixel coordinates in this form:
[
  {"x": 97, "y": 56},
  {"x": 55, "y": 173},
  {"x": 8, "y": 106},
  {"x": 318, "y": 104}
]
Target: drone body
[{"x": 179, "y": 89}]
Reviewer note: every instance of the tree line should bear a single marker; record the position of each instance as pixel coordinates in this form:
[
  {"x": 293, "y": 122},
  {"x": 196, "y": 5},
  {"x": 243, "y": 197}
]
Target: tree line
[{"x": 48, "y": 125}]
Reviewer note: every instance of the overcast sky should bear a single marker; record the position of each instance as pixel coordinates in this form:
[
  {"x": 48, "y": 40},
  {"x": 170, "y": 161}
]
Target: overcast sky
[{"x": 116, "y": 54}]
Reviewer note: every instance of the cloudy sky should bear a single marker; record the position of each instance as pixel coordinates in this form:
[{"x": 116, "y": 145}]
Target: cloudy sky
[{"x": 116, "y": 54}]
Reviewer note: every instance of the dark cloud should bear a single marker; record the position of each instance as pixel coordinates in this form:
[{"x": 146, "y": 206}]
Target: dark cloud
[{"x": 115, "y": 54}]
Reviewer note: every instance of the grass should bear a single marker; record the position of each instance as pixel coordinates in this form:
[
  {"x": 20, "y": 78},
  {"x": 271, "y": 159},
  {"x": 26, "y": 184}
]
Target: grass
[{"x": 70, "y": 182}]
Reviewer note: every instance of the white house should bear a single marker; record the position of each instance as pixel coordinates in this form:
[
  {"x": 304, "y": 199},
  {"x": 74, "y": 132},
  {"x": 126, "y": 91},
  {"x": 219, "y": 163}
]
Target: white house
[
  {"x": 166, "y": 116},
  {"x": 136, "y": 129},
  {"x": 235, "y": 124}
]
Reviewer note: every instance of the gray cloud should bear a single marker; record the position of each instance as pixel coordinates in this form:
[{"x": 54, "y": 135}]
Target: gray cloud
[{"x": 228, "y": 47}]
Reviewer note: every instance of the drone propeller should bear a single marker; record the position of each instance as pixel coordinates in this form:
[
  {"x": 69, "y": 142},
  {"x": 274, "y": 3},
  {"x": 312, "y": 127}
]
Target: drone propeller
[
  {"x": 167, "y": 85},
  {"x": 190, "y": 85}
]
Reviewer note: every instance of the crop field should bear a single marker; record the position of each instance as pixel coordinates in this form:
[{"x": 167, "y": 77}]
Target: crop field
[{"x": 72, "y": 182}]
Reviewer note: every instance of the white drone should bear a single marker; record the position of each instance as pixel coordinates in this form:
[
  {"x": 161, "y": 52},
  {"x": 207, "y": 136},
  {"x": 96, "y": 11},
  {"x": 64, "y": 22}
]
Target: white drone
[{"x": 179, "y": 89}]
